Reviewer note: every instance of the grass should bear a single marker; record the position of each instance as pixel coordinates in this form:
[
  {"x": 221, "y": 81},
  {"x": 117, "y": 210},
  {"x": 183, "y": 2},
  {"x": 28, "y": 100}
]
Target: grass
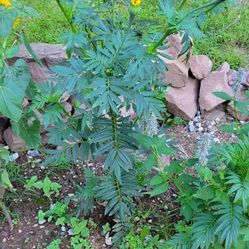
[
  {"x": 227, "y": 36},
  {"x": 50, "y": 23}
]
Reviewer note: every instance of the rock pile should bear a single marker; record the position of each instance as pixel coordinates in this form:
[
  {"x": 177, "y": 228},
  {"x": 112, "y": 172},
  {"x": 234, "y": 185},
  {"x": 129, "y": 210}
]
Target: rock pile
[
  {"x": 189, "y": 95},
  {"x": 192, "y": 84}
]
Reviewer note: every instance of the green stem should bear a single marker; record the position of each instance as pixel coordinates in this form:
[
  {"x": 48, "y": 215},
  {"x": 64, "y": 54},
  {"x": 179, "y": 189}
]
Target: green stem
[
  {"x": 159, "y": 43},
  {"x": 172, "y": 29},
  {"x": 115, "y": 129},
  {"x": 182, "y": 4},
  {"x": 205, "y": 6},
  {"x": 66, "y": 16},
  {"x": 7, "y": 215}
]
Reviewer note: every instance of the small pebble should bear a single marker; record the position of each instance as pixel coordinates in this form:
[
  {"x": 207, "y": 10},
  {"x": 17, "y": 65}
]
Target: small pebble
[
  {"x": 108, "y": 240},
  {"x": 14, "y": 157},
  {"x": 191, "y": 126},
  {"x": 212, "y": 123},
  {"x": 33, "y": 153},
  {"x": 41, "y": 222},
  {"x": 198, "y": 125},
  {"x": 216, "y": 140},
  {"x": 70, "y": 232},
  {"x": 63, "y": 229}
]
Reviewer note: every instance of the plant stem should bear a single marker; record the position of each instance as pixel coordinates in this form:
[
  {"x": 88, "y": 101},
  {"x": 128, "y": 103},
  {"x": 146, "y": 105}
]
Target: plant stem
[
  {"x": 172, "y": 29},
  {"x": 115, "y": 129},
  {"x": 66, "y": 16},
  {"x": 7, "y": 215},
  {"x": 159, "y": 43},
  {"x": 182, "y": 4}
]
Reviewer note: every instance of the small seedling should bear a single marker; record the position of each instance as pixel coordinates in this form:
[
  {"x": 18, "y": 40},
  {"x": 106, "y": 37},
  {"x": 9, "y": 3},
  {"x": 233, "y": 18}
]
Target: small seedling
[
  {"x": 55, "y": 244},
  {"x": 106, "y": 228},
  {"x": 5, "y": 183},
  {"x": 48, "y": 187}
]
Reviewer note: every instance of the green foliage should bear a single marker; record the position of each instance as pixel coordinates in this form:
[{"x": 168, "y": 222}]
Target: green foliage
[
  {"x": 80, "y": 230},
  {"x": 113, "y": 66},
  {"x": 15, "y": 80},
  {"x": 119, "y": 194},
  {"x": 55, "y": 244},
  {"x": 142, "y": 241},
  {"x": 48, "y": 25},
  {"x": 85, "y": 195},
  {"x": 4, "y": 176},
  {"x": 48, "y": 187},
  {"x": 226, "y": 38}
]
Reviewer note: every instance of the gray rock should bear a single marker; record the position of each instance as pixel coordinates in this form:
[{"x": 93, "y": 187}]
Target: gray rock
[
  {"x": 191, "y": 126},
  {"x": 200, "y": 129},
  {"x": 33, "y": 153},
  {"x": 14, "y": 157},
  {"x": 198, "y": 125}
]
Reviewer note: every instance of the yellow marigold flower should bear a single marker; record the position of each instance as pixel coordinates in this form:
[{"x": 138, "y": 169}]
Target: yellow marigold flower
[
  {"x": 17, "y": 22},
  {"x": 136, "y": 3},
  {"x": 8, "y": 5},
  {"x": 5, "y": 3}
]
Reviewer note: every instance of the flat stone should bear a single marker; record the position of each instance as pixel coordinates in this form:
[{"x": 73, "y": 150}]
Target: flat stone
[
  {"x": 175, "y": 46},
  {"x": 50, "y": 53},
  {"x": 214, "y": 115},
  {"x": 216, "y": 81},
  {"x": 182, "y": 102},
  {"x": 225, "y": 67},
  {"x": 200, "y": 66},
  {"x": 38, "y": 73},
  {"x": 177, "y": 73},
  {"x": 240, "y": 96},
  {"x": 14, "y": 143}
]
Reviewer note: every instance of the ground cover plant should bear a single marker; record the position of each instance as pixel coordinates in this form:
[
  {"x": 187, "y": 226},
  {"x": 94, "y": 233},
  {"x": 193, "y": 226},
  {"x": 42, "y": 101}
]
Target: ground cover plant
[{"x": 113, "y": 66}]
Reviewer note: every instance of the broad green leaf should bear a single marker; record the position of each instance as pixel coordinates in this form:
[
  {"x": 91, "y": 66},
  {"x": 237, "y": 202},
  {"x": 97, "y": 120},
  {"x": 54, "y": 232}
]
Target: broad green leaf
[
  {"x": 223, "y": 95},
  {"x": 159, "y": 189},
  {"x": 206, "y": 193},
  {"x": 5, "y": 181},
  {"x": 205, "y": 172},
  {"x": 7, "y": 19},
  {"x": 156, "y": 180},
  {"x": 30, "y": 50},
  {"x": 13, "y": 85},
  {"x": 4, "y": 154},
  {"x": 28, "y": 129},
  {"x": 242, "y": 106}
]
